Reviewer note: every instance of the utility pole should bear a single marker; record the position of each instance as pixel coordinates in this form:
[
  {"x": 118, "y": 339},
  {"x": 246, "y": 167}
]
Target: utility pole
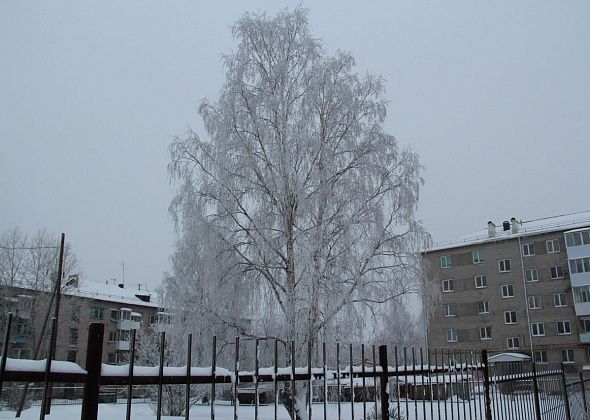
[{"x": 60, "y": 269}]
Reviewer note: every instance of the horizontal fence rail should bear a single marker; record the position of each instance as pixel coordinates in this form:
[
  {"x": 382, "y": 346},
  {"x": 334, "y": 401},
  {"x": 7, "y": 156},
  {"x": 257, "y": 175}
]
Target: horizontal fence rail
[{"x": 401, "y": 383}]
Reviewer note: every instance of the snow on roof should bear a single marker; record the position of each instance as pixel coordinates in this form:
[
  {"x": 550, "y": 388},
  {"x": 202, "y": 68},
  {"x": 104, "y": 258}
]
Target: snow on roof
[
  {"x": 508, "y": 357},
  {"x": 526, "y": 228},
  {"x": 112, "y": 293}
]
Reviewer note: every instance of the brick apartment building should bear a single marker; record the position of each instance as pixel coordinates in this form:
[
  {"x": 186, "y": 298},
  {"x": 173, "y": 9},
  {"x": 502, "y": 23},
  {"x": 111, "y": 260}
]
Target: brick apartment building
[
  {"x": 518, "y": 287},
  {"x": 82, "y": 302}
]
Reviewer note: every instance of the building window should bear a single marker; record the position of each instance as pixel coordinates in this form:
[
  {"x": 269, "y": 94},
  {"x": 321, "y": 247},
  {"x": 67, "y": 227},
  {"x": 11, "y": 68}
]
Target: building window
[
  {"x": 115, "y": 314},
  {"x": 477, "y": 257},
  {"x": 531, "y": 275},
  {"x": 564, "y": 328},
  {"x": 552, "y": 246},
  {"x": 72, "y": 356},
  {"x": 567, "y": 356},
  {"x": 96, "y": 312},
  {"x": 586, "y": 323},
  {"x": 578, "y": 238},
  {"x": 451, "y": 335},
  {"x": 75, "y": 312},
  {"x": 537, "y": 329},
  {"x": 113, "y": 336},
  {"x": 485, "y": 333},
  {"x": 448, "y": 286},
  {"x": 540, "y": 356},
  {"x": 580, "y": 265},
  {"x": 507, "y": 291},
  {"x": 510, "y": 317},
  {"x": 481, "y": 282},
  {"x": 559, "y": 300},
  {"x": 513, "y": 342},
  {"x": 581, "y": 294},
  {"x": 504, "y": 266},
  {"x": 535, "y": 302},
  {"x": 557, "y": 272},
  {"x": 450, "y": 310},
  {"x": 483, "y": 307},
  {"x": 73, "y": 337},
  {"x": 446, "y": 261},
  {"x": 528, "y": 250}
]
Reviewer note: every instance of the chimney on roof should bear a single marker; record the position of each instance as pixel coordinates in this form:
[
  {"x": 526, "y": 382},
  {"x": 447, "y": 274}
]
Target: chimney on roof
[
  {"x": 506, "y": 225},
  {"x": 121, "y": 285},
  {"x": 491, "y": 229},
  {"x": 514, "y": 224}
]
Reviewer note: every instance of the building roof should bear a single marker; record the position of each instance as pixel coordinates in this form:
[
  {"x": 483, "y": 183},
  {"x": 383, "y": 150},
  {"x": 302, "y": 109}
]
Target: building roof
[
  {"x": 525, "y": 228},
  {"x": 112, "y": 293},
  {"x": 509, "y": 357}
]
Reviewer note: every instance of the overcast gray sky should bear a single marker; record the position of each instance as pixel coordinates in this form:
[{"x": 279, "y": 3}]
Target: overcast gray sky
[{"x": 494, "y": 96}]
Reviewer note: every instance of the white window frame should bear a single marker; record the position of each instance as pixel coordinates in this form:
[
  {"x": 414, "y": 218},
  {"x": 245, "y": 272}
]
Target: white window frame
[
  {"x": 510, "y": 343},
  {"x": 445, "y": 286},
  {"x": 446, "y": 261},
  {"x": 584, "y": 265},
  {"x": 485, "y": 333},
  {"x": 452, "y": 335},
  {"x": 561, "y": 304},
  {"x": 481, "y": 281},
  {"x": 511, "y": 319},
  {"x": 534, "y": 275},
  {"x": 583, "y": 238},
  {"x": 504, "y": 266},
  {"x": 539, "y": 332},
  {"x": 505, "y": 289},
  {"x": 486, "y": 307},
  {"x": 566, "y": 327},
  {"x": 528, "y": 250},
  {"x": 477, "y": 257},
  {"x": 448, "y": 312},
  {"x": 559, "y": 275},
  {"x": 567, "y": 353},
  {"x": 536, "y": 301},
  {"x": 552, "y": 246}
]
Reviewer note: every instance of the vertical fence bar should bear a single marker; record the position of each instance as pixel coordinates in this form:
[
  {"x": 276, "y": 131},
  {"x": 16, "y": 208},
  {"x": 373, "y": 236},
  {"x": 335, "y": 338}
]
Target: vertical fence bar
[
  {"x": 438, "y": 376},
  {"x": 45, "y": 401},
  {"x": 189, "y": 356},
  {"x": 351, "y": 383},
  {"x": 536, "y": 392},
  {"x": 383, "y": 382},
  {"x": 456, "y": 383},
  {"x": 161, "y": 374},
  {"x": 472, "y": 386},
  {"x": 213, "y": 377},
  {"x": 406, "y": 388},
  {"x": 130, "y": 384},
  {"x": 583, "y": 389},
  {"x": 325, "y": 370},
  {"x": 397, "y": 396},
  {"x": 447, "y": 377},
  {"x": 338, "y": 378},
  {"x": 566, "y": 399},
  {"x": 431, "y": 393},
  {"x": 364, "y": 382},
  {"x": 93, "y": 367},
  {"x": 414, "y": 382},
  {"x": 5, "y": 350},
  {"x": 486, "y": 384},
  {"x": 451, "y": 383},
  {"x": 309, "y": 384},
  {"x": 275, "y": 378},
  {"x": 237, "y": 377},
  {"x": 375, "y": 382},
  {"x": 465, "y": 382},
  {"x": 422, "y": 384},
  {"x": 256, "y": 366},
  {"x": 293, "y": 384}
]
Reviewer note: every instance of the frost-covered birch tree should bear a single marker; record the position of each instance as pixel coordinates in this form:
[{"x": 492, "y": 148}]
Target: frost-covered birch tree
[{"x": 309, "y": 205}]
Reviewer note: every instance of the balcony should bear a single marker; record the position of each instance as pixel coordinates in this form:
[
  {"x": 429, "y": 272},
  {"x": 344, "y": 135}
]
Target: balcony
[
  {"x": 123, "y": 345},
  {"x": 585, "y": 338},
  {"x": 580, "y": 279},
  {"x": 127, "y": 324},
  {"x": 582, "y": 308}
]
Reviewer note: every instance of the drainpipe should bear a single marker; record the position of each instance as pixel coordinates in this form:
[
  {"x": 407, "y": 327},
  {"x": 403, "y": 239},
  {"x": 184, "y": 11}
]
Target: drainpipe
[{"x": 526, "y": 300}]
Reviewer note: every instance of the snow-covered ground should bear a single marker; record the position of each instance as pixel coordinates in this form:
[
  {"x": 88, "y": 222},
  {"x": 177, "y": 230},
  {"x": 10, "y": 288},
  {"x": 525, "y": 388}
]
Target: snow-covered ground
[{"x": 519, "y": 407}]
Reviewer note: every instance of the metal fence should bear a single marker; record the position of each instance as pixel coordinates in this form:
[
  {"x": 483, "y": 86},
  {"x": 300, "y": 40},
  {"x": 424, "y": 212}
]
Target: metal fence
[{"x": 377, "y": 383}]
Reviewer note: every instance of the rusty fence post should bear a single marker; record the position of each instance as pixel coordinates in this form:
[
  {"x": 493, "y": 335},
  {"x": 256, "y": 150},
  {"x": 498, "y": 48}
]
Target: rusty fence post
[
  {"x": 93, "y": 366},
  {"x": 383, "y": 382},
  {"x": 536, "y": 393},
  {"x": 566, "y": 400}
]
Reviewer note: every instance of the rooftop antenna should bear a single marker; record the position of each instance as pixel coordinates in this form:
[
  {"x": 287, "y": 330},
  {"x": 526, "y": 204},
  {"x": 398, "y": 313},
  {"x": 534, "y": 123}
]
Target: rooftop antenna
[{"x": 123, "y": 266}]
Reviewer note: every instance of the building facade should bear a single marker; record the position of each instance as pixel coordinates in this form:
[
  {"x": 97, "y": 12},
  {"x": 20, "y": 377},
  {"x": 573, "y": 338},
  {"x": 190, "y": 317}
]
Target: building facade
[
  {"x": 518, "y": 287},
  {"x": 120, "y": 309}
]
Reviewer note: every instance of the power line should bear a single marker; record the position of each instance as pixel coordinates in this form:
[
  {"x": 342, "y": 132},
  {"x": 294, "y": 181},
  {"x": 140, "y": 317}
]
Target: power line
[{"x": 15, "y": 248}]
